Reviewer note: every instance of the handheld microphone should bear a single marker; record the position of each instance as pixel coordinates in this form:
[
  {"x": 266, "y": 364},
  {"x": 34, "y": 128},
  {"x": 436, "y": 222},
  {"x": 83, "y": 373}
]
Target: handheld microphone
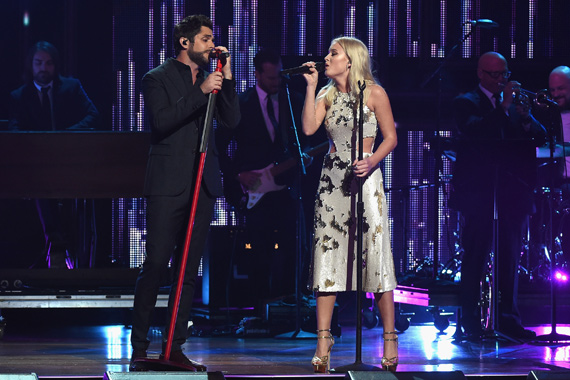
[
  {"x": 219, "y": 54},
  {"x": 484, "y": 23},
  {"x": 319, "y": 66}
]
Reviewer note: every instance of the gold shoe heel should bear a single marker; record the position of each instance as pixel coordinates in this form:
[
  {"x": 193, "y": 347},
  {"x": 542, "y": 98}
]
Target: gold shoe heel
[
  {"x": 390, "y": 364},
  {"x": 322, "y": 364}
]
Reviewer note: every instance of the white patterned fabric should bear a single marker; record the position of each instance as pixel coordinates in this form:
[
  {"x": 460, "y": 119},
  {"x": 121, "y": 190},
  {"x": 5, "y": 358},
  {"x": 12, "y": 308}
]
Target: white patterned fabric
[{"x": 334, "y": 246}]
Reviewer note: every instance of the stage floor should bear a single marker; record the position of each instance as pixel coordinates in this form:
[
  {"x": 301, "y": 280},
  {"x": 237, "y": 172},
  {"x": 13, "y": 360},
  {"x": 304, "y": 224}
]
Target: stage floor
[{"x": 69, "y": 349}]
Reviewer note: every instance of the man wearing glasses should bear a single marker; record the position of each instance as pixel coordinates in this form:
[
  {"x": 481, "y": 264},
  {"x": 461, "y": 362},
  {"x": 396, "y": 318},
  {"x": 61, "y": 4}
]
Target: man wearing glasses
[{"x": 493, "y": 186}]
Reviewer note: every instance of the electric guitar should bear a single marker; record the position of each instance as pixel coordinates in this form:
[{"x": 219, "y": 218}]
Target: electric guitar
[{"x": 266, "y": 181}]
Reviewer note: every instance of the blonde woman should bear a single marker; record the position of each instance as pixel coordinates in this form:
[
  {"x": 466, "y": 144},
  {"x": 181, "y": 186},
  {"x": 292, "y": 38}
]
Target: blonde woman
[{"x": 334, "y": 245}]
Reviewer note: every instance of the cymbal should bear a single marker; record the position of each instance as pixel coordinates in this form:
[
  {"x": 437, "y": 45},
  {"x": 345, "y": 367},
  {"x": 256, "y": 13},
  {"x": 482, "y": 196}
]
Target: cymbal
[{"x": 560, "y": 150}]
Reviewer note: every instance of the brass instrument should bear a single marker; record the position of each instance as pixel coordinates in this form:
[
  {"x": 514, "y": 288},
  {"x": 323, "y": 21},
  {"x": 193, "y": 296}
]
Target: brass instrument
[{"x": 540, "y": 98}]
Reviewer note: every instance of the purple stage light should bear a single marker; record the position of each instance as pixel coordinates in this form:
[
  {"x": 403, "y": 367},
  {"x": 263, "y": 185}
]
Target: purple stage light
[{"x": 561, "y": 276}]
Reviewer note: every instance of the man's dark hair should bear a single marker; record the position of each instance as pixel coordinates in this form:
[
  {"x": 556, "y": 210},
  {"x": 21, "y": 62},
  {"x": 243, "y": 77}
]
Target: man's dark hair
[
  {"x": 41, "y": 46},
  {"x": 265, "y": 56},
  {"x": 189, "y": 27}
]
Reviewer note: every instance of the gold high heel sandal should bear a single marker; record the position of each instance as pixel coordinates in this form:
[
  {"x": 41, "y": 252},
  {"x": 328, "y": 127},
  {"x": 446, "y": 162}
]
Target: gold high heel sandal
[
  {"x": 322, "y": 364},
  {"x": 390, "y": 364}
]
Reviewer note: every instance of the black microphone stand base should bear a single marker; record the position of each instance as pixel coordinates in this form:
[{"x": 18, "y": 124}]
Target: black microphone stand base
[
  {"x": 553, "y": 337},
  {"x": 147, "y": 364},
  {"x": 356, "y": 366}
]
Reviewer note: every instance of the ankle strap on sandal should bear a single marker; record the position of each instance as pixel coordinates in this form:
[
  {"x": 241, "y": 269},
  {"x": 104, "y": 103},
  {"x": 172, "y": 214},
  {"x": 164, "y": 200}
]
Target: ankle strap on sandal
[{"x": 329, "y": 330}]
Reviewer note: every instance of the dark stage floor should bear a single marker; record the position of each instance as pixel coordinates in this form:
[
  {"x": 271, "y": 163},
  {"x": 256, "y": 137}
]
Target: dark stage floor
[{"x": 66, "y": 348}]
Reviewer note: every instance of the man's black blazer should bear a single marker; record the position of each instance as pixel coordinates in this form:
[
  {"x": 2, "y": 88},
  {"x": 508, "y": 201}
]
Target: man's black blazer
[
  {"x": 72, "y": 108},
  {"x": 493, "y": 150},
  {"x": 176, "y": 114}
]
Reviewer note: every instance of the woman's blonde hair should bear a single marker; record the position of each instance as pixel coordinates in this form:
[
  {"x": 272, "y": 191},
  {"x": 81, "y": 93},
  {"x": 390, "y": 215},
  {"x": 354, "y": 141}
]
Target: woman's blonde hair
[{"x": 360, "y": 70}]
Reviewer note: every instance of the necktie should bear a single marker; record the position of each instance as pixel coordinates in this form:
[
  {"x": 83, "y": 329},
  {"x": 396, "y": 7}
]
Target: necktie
[
  {"x": 497, "y": 100},
  {"x": 46, "y": 109},
  {"x": 271, "y": 114}
]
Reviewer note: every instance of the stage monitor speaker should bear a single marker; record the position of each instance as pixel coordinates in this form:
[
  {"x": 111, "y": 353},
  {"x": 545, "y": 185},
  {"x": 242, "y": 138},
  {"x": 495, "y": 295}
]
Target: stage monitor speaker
[
  {"x": 548, "y": 375},
  {"x": 18, "y": 376},
  {"x": 164, "y": 375},
  {"x": 227, "y": 266},
  {"x": 382, "y": 375}
]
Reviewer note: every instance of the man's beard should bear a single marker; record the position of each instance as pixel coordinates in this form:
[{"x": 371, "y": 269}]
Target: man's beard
[
  {"x": 197, "y": 57},
  {"x": 43, "y": 77}
]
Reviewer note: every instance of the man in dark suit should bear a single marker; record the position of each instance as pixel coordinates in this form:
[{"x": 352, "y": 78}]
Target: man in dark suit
[
  {"x": 176, "y": 96},
  {"x": 265, "y": 137},
  {"x": 497, "y": 138},
  {"x": 48, "y": 101},
  {"x": 51, "y": 102}
]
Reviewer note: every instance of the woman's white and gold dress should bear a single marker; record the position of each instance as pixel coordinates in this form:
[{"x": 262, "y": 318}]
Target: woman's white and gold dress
[{"x": 334, "y": 243}]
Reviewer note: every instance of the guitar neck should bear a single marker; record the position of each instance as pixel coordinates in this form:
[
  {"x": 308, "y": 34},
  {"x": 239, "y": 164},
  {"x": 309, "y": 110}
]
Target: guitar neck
[{"x": 291, "y": 162}]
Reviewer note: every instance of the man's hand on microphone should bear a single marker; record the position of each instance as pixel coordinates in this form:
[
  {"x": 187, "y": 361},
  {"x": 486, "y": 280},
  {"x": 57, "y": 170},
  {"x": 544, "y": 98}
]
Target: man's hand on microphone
[
  {"x": 212, "y": 82},
  {"x": 227, "y": 68}
]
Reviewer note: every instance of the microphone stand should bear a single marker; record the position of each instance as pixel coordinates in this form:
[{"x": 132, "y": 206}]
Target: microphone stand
[
  {"x": 146, "y": 364},
  {"x": 298, "y": 333},
  {"x": 553, "y": 336},
  {"x": 437, "y": 150},
  {"x": 358, "y": 365}
]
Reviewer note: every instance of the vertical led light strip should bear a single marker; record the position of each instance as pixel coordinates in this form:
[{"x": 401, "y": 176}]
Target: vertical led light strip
[
  {"x": 409, "y": 28},
  {"x": 466, "y": 15},
  {"x": 550, "y": 49},
  {"x": 370, "y": 15},
  {"x": 442, "y": 28},
  {"x": 284, "y": 28},
  {"x": 350, "y": 18},
  {"x": 392, "y": 28},
  {"x": 415, "y": 161},
  {"x": 254, "y": 42},
  {"x": 131, "y": 90},
  {"x": 531, "y": 18},
  {"x": 178, "y": 12},
  {"x": 119, "y": 109},
  {"x": 150, "y": 34},
  {"x": 320, "y": 33},
  {"x": 163, "y": 35},
  {"x": 140, "y": 114},
  {"x": 513, "y": 28},
  {"x": 302, "y": 17}
]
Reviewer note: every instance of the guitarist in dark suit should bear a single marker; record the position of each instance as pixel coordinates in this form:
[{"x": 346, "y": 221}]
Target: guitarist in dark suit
[
  {"x": 264, "y": 137},
  {"x": 176, "y": 96}
]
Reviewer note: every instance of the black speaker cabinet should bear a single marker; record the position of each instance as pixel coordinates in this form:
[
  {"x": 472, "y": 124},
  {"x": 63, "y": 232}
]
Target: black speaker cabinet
[
  {"x": 226, "y": 269},
  {"x": 383, "y": 375},
  {"x": 157, "y": 375},
  {"x": 548, "y": 375}
]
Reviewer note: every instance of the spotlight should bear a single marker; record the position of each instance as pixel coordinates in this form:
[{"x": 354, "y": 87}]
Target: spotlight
[{"x": 561, "y": 276}]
